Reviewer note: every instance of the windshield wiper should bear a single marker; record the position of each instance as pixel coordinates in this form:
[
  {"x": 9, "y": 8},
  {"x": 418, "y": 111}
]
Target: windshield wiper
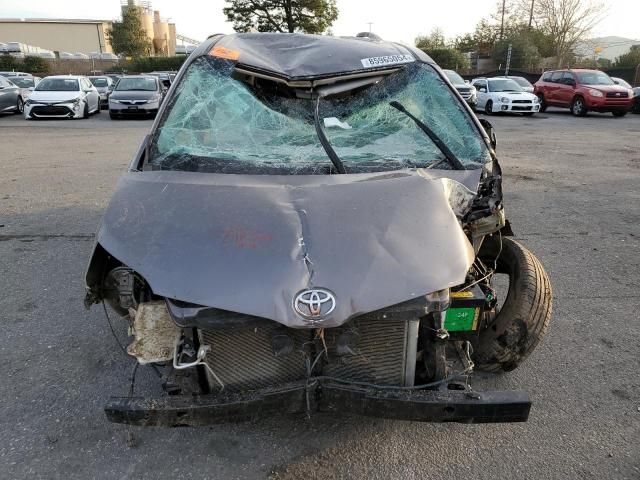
[
  {"x": 446, "y": 151},
  {"x": 331, "y": 153}
]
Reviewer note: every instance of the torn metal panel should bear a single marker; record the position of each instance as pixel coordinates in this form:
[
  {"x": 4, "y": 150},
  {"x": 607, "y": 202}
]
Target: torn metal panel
[
  {"x": 154, "y": 332},
  {"x": 233, "y": 242}
]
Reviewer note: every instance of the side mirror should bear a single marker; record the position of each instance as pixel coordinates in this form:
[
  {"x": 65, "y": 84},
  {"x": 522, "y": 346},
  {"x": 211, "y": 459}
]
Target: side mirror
[
  {"x": 571, "y": 82},
  {"x": 482, "y": 90},
  {"x": 490, "y": 133},
  {"x": 166, "y": 83},
  {"x": 31, "y": 89}
]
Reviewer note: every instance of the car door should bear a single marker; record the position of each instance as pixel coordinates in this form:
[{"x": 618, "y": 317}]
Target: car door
[
  {"x": 8, "y": 94},
  {"x": 566, "y": 88},
  {"x": 482, "y": 96},
  {"x": 553, "y": 85}
]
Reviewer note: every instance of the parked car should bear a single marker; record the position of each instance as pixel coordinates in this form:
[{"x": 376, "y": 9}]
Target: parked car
[
  {"x": 636, "y": 100},
  {"x": 582, "y": 91},
  {"x": 25, "y": 84},
  {"x": 303, "y": 235},
  {"x": 104, "y": 86},
  {"x": 166, "y": 77},
  {"x": 501, "y": 94},
  {"x": 525, "y": 84},
  {"x": 14, "y": 74},
  {"x": 466, "y": 90},
  {"x": 63, "y": 96},
  {"x": 136, "y": 95},
  {"x": 621, "y": 81},
  {"x": 10, "y": 96}
]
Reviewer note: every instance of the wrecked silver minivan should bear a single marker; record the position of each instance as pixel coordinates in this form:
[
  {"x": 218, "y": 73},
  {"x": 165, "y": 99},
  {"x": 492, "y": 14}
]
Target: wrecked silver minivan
[{"x": 315, "y": 224}]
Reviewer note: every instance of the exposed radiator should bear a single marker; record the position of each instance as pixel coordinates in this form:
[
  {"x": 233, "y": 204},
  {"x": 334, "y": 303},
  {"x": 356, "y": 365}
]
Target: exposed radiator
[
  {"x": 379, "y": 350},
  {"x": 244, "y": 359},
  {"x": 385, "y": 351}
]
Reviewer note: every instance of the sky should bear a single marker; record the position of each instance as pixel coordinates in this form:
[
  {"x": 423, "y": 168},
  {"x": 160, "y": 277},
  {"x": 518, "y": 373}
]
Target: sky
[{"x": 407, "y": 19}]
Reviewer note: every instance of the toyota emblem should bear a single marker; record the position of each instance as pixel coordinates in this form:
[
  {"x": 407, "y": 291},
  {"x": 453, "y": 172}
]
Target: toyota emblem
[{"x": 314, "y": 304}]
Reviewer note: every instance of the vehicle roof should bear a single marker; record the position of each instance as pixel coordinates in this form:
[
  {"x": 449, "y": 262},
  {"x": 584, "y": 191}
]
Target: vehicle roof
[
  {"x": 574, "y": 70},
  {"x": 76, "y": 77},
  {"x": 303, "y": 56}
]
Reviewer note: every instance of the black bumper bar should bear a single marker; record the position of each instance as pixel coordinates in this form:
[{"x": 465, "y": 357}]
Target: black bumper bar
[{"x": 421, "y": 405}]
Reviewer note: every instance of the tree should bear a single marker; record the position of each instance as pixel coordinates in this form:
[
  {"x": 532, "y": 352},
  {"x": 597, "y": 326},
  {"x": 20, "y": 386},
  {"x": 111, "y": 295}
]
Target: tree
[
  {"x": 631, "y": 59},
  {"x": 7, "y": 62},
  {"x": 308, "y": 16},
  {"x": 449, "y": 58},
  {"x": 35, "y": 65},
  {"x": 127, "y": 37},
  {"x": 432, "y": 41},
  {"x": 566, "y": 22},
  {"x": 524, "y": 53}
]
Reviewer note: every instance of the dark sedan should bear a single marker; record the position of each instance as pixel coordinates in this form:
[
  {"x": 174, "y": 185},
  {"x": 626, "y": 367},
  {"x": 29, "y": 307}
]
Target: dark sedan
[
  {"x": 136, "y": 95},
  {"x": 10, "y": 97}
]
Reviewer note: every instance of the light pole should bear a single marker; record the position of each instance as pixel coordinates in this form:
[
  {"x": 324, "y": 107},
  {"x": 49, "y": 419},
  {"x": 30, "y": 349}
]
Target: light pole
[
  {"x": 369, "y": 23},
  {"x": 502, "y": 22},
  {"x": 533, "y": 2}
]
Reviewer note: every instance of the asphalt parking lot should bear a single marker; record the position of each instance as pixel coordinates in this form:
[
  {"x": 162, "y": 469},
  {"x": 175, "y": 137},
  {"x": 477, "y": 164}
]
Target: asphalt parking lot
[{"x": 572, "y": 190}]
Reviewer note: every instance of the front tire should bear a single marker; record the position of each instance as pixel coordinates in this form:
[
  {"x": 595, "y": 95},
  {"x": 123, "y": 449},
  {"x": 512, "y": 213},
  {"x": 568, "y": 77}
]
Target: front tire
[
  {"x": 543, "y": 104},
  {"x": 524, "y": 318},
  {"x": 579, "y": 107},
  {"x": 19, "y": 105},
  {"x": 488, "y": 108},
  {"x": 85, "y": 111}
]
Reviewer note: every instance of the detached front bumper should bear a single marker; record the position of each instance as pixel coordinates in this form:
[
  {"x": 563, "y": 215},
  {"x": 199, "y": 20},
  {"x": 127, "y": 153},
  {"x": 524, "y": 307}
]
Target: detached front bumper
[{"x": 463, "y": 406}]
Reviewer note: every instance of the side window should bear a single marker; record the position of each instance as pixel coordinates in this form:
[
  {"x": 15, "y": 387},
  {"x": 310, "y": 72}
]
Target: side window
[
  {"x": 567, "y": 78},
  {"x": 547, "y": 76},
  {"x": 555, "y": 77},
  {"x": 480, "y": 84}
]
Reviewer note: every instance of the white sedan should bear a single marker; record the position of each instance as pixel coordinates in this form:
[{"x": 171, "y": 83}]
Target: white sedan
[
  {"x": 504, "y": 95},
  {"x": 63, "y": 96}
]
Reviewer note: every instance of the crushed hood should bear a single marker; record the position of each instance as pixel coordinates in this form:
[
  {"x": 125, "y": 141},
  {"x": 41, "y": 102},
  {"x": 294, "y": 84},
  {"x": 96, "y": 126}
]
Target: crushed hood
[{"x": 249, "y": 244}]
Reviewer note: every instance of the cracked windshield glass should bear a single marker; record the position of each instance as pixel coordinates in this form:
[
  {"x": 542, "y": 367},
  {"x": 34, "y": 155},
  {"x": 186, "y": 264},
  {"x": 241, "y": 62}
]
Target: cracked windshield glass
[{"x": 224, "y": 122}]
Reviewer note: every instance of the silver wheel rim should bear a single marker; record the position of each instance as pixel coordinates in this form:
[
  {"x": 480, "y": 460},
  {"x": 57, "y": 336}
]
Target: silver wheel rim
[{"x": 577, "y": 106}]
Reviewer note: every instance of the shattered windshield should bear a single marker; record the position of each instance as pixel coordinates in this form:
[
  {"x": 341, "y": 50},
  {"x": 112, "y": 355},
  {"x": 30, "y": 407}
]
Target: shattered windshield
[{"x": 221, "y": 121}]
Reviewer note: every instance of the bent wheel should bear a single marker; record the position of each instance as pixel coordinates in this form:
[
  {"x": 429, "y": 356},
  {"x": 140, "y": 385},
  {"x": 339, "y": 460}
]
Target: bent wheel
[{"x": 524, "y": 318}]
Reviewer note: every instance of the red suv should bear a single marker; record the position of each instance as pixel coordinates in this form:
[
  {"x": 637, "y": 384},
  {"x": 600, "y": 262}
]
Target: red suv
[{"x": 581, "y": 91}]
